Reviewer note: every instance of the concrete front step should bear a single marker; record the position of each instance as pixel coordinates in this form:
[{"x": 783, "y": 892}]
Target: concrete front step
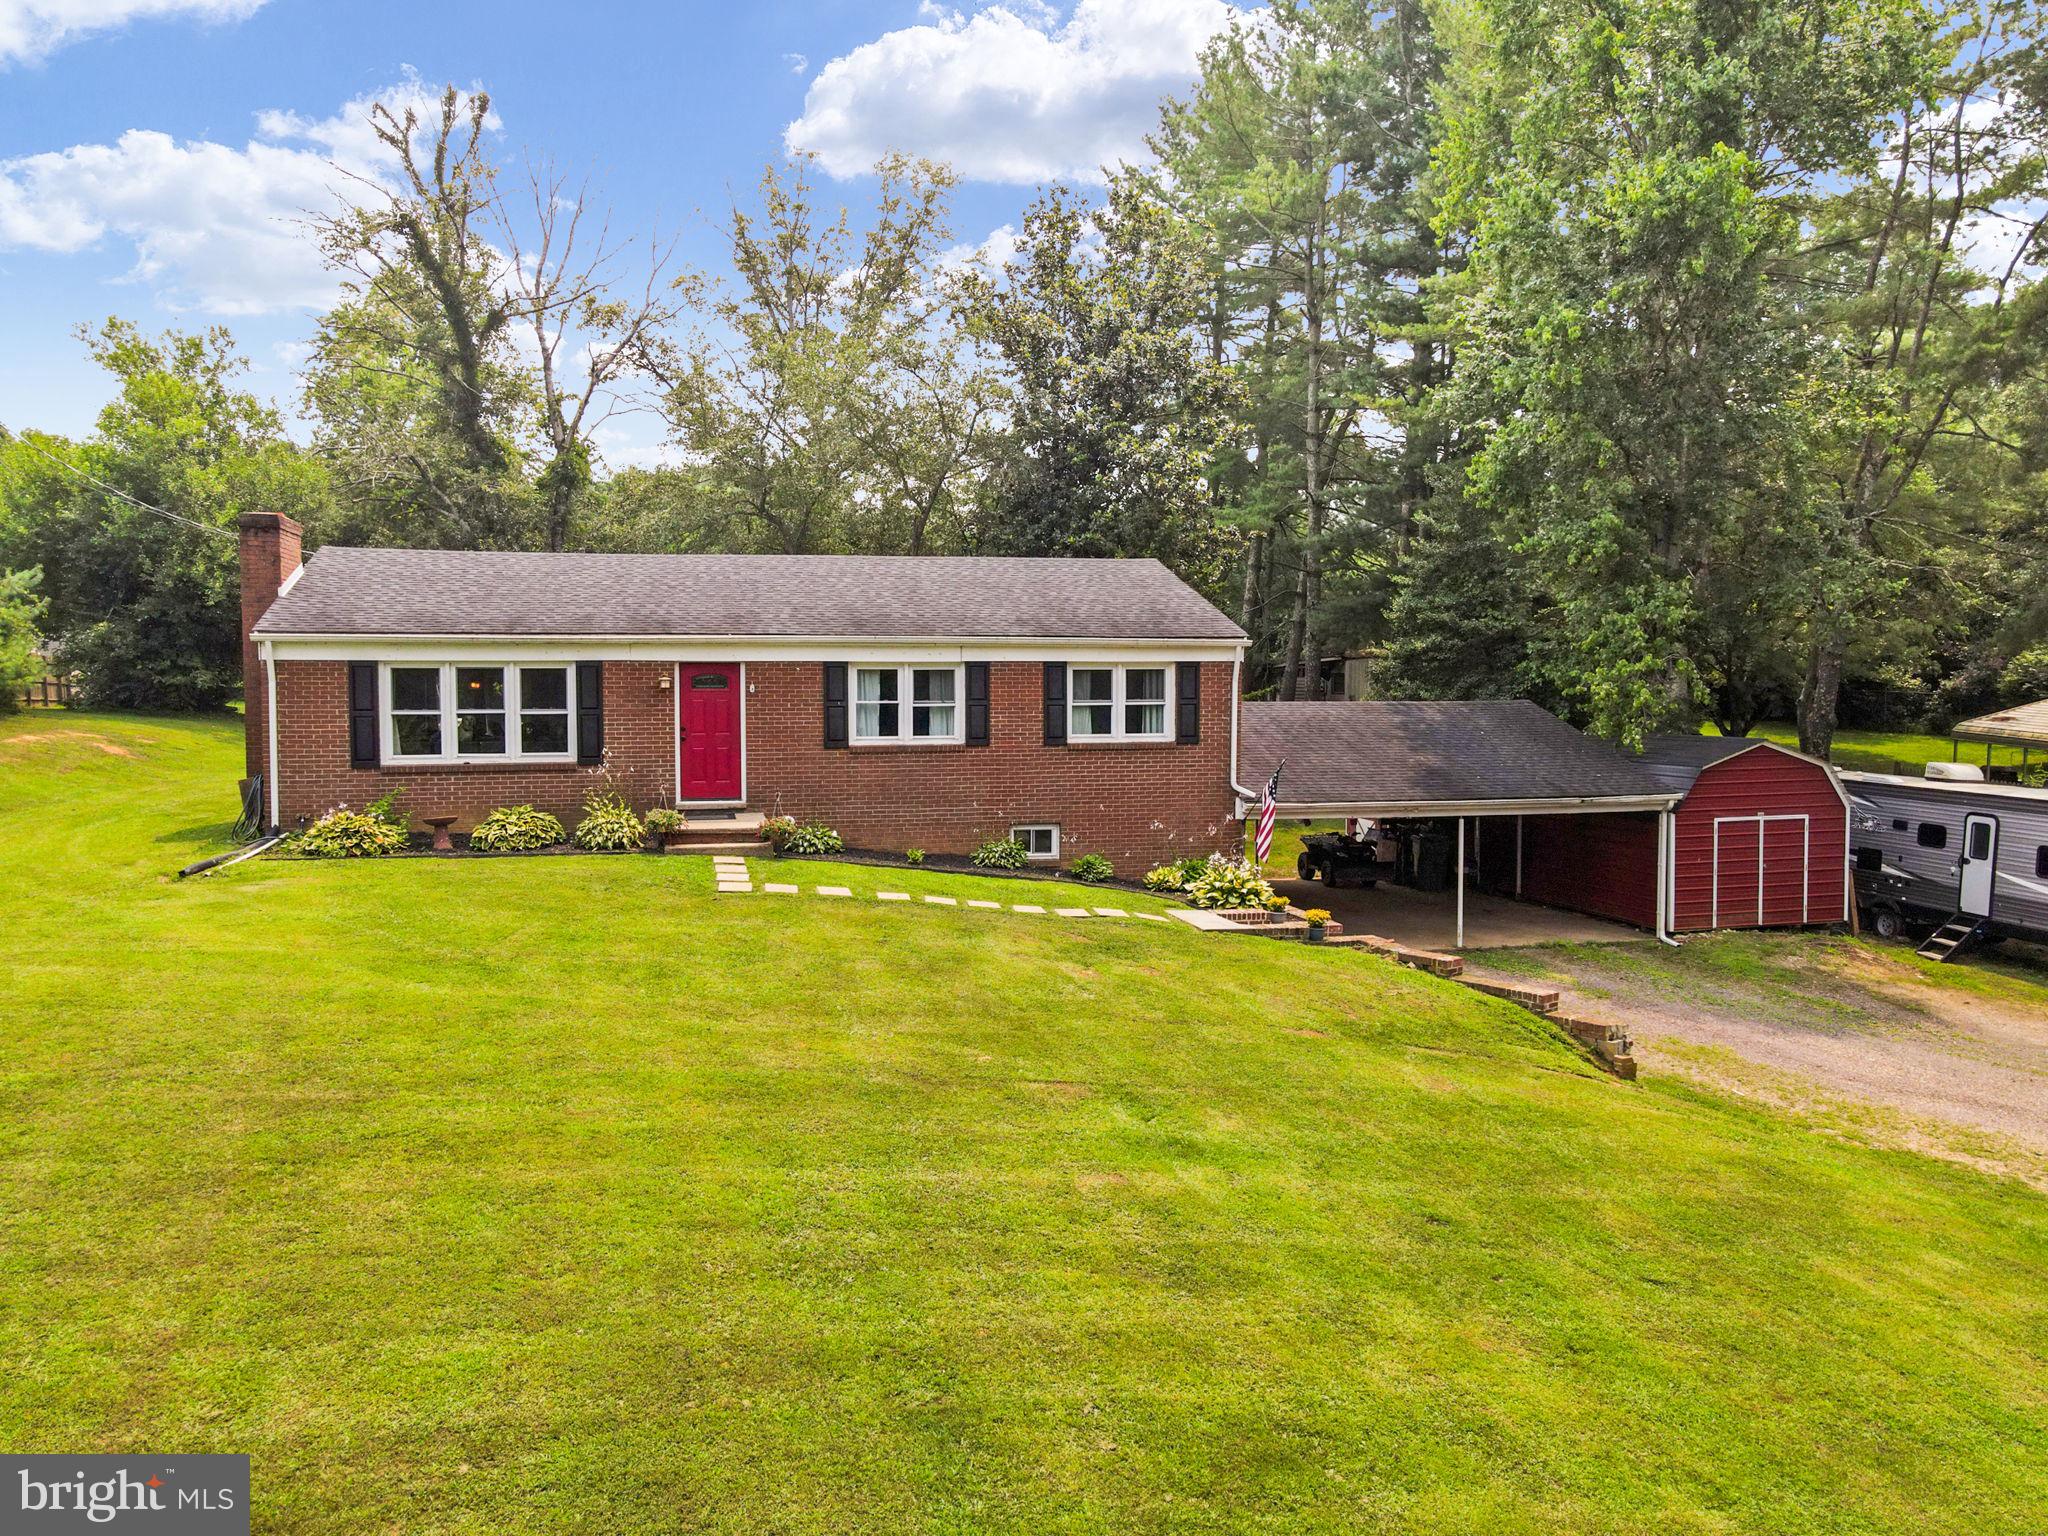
[
  {"x": 720, "y": 826},
  {"x": 757, "y": 850}
]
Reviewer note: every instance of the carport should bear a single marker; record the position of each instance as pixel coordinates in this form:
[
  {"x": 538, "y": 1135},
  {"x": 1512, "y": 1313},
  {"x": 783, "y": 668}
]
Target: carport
[{"x": 1549, "y": 815}]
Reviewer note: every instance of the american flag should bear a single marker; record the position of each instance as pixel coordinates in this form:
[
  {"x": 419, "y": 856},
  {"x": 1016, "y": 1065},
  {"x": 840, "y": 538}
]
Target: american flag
[{"x": 1269, "y": 809}]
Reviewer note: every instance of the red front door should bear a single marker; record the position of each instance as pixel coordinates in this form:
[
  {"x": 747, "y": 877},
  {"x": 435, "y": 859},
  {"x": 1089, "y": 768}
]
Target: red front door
[{"x": 709, "y": 701}]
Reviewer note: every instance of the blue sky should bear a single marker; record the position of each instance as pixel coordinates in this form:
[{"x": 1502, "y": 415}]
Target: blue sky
[{"x": 154, "y": 153}]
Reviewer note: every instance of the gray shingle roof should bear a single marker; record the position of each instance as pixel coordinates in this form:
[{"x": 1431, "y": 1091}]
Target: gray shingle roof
[
  {"x": 1391, "y": 752},
  {"x": 344, "y": 591},
  {"x": 1676, "y": 760}
]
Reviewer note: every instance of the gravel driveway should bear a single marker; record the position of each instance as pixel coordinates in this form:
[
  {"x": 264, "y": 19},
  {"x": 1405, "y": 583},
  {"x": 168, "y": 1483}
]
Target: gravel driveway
[{"x": 1947, "y": 1060}]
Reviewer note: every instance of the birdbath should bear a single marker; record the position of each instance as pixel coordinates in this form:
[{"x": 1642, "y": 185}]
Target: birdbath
[{"x": 441, "y": 824}]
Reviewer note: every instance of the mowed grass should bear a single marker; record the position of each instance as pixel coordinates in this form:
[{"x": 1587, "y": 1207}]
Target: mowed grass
[
  {"x": 1906, "y": 752},
  {"x": 563, "y": 1195}
]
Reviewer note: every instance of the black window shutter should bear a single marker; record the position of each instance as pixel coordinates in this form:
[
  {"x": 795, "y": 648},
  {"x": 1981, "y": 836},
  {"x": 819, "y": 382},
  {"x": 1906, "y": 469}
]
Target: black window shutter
[
  {"x": 977, "y": 703},
  {"x": 835, "y": 703},
  {"x": 1187, "y": 718},
  {"x": 1055, "y": 703},
  {"x": 589, "y": 711},
  {"x": 362, "y": 714}
]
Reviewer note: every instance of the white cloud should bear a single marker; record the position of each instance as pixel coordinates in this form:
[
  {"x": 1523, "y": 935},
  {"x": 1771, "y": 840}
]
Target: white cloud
[
  {"x": 212, "y": 227},
  {"x": 1009, "y": 93},
  {"x": 34, "y": 29},
  {"x": 989, "y": 257}
]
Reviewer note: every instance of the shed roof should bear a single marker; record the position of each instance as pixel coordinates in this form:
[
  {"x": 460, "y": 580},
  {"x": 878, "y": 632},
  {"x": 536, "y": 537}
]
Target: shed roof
[
  {"x": 1396, "y": 757},
  {"x": 494, "y": 594},
  {"x": 2024, "y": 725}
]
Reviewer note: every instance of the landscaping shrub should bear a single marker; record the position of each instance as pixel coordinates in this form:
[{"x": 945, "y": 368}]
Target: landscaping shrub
[
  {"x": 1091, "y": 868},
  {"x": 515, "y": 829},
  {"x": 1229, "y": 883},
  {"x": 913, "y": 855},
  {"x": 665, "y": 821},
  {"x": 1002, "y": 853},
  {"x": 813, "y": 837},
  {"x": 385, "y": 809},
  {"x": 346, "y": 834},
  {"x": 1176, "y": 876},
  {"x": 609, "y": 823}
]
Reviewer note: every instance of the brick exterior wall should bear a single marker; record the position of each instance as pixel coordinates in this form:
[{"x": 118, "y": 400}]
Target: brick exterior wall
[
  {"x": 270, "y": 544},
  {"x": 315, "y": 776},
  {"x": 1139, "y": 804}
]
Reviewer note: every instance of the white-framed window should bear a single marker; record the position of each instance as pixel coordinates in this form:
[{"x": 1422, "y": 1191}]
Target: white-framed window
[
  {"x": 1041, "y": 842},
  {"x": 458, "y": 712},
  {"x": 908, "y": 704},
  {"x": 1117, "y": 703}
]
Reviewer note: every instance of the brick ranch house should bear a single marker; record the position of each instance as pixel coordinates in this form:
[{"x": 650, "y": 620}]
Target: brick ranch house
[{"x": 1085, "y": 706}]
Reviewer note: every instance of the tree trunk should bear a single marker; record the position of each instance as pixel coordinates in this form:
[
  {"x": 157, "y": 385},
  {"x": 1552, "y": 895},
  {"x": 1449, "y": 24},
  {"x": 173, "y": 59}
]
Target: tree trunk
[
  {"x": 1820, "y": 700},
  {"x": 1307, "y": 581}
]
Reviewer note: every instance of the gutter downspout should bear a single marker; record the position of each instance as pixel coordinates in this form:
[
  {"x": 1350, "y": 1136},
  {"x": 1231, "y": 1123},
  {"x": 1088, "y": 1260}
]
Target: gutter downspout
[
  {"x": 1665, "y": 842},
  {"x": 270, "y": 720},
  {"x": 1244, "y": 795}
]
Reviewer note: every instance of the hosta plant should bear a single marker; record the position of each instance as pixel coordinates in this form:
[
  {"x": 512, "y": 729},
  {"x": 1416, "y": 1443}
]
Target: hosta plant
[
  {"x": 609, "y": 824},
  {"x": 1091, "y": 868},
  {"x": 1002, "y": 853},
  {"x": 813, "y": 837},
  {"x": 1229, "y": 883},
  {"x": 515, "y": 829},
  {"x": 346, "y": 834}
]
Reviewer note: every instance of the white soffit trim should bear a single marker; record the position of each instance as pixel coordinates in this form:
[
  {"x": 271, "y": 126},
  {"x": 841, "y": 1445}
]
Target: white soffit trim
[
  {"x": 737, "y": 648},
  {"x": 1419, "y": 809}
]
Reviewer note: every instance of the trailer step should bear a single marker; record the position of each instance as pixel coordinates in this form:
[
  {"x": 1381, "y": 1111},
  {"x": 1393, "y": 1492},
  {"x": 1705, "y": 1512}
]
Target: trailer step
[{"x": 1952, "y": 938}]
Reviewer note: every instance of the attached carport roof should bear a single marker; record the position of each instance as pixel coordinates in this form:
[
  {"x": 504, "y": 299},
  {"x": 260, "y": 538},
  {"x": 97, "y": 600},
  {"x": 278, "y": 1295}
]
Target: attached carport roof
[
  {"x": 2024, "y": 725},
  {"x": 1437, "y": 758}
]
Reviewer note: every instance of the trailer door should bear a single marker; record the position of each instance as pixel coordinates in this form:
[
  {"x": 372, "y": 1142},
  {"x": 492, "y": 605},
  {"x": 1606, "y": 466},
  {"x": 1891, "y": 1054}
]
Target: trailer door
[{"x": 1979, "y": 865}]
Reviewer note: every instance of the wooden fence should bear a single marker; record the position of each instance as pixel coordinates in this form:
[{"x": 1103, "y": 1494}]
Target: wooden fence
[{"x": 50, "y": 693}]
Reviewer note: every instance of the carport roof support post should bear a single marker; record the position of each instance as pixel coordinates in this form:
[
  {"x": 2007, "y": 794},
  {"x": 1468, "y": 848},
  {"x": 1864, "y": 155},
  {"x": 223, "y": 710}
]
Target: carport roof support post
[{"x": 1461, "y": 882}]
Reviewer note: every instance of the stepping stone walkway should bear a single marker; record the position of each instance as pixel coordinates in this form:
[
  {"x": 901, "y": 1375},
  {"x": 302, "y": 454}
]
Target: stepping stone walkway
[
  {"x": 734, "y": 878},
  {"x": 730, "y": 871}
]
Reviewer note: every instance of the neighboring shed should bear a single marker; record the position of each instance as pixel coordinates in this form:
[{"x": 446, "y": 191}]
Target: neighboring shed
[{"x": 1761, "y": 839}]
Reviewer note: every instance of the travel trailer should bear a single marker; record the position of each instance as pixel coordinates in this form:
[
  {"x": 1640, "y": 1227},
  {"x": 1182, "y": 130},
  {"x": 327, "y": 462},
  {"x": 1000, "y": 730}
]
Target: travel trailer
[{"x": 1973, "y": 858}]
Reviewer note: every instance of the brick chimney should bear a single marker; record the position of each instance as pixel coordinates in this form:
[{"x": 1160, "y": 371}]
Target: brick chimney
[{"x": 270, "y": 553}]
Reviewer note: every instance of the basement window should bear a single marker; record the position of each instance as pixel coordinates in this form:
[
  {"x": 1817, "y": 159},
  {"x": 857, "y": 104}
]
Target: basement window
[{"x": 1040, "y": 842}]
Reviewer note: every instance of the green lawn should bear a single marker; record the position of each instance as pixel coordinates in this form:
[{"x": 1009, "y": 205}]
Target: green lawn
[
  {"x": 1884, "y": 751},
  {"x": 563, "y": 1195}
]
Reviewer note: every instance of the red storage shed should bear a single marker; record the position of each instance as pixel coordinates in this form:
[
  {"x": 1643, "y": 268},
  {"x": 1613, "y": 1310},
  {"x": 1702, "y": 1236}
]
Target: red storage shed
[{"x": 1761, "y": 839}]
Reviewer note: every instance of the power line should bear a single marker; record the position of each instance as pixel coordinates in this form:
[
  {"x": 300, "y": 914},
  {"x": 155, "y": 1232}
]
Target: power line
[{"x": 121, "y": 495}]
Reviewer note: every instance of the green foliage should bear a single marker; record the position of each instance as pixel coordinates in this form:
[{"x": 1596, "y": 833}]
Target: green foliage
[
  {"x": 385, "y": 809},
  {"x": 608, "y": 823},
  {"x": 516, "y": 829},
  {"x": 778, "y": 830},
  {"x": 913, "y": 855},
  {"x": 1091, "y": 869},
  {"x": 147, "y": 608},
  {"x": 665, "y": 821},
  {"x": 812, "y": 837},
  {"x": 824, "y": 396},
  {"x": 1225, "y": 882},
  {"x": 347, "y": 834},
  {"x": 1002, "y": 853},
  {"x": 21, "y": 606},
  {"x": 1175, "y": 876},
  {"x": 1117, "y": 416}
]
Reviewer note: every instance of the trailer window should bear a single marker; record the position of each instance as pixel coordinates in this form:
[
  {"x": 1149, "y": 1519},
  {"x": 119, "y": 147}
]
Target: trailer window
[
  {"x": 1899, "y": 823},
  {"x": 1870, "y": 858},
  {"x": 2041, "y": 862},
  {"x": 1933, "y": 835},
  {"x": 1980, "y": 840}
]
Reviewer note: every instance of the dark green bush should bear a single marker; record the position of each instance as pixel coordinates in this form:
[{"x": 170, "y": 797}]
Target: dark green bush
[{"x": 515, "y": 829}]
